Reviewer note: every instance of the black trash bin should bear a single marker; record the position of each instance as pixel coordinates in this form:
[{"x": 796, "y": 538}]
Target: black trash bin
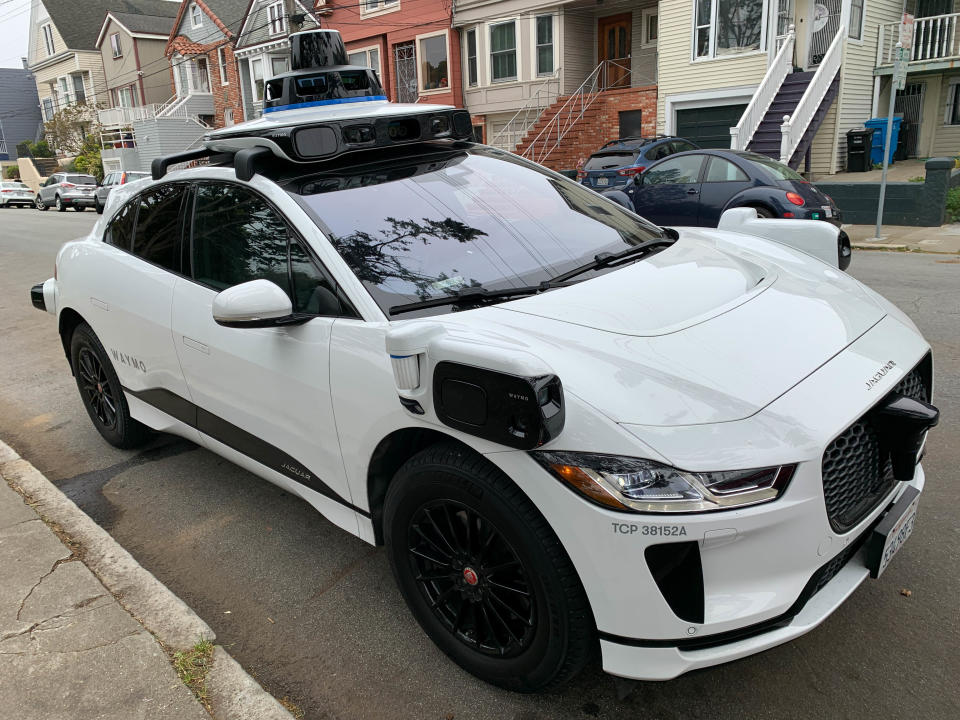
[
  {"x": 904, "y": 141},
  {"x": 859, "y": 144}
]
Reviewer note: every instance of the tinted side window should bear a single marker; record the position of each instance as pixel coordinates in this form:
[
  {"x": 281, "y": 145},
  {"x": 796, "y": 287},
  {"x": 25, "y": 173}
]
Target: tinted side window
[
  {"x": 237, "y": 237},
  {"x": 683, "y": 169},
  {"x": 660, "y": 151},
  {"x": 313, "y": 293},
  {"x": 683, "y": 146},
  {"x": 159, "y": 226},
  {"x": 722, "y": 170},
  {"x": 120, "y": 230}
]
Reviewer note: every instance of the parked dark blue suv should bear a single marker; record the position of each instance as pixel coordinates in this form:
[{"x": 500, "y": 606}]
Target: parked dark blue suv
[{"x": 619, "y": 160}]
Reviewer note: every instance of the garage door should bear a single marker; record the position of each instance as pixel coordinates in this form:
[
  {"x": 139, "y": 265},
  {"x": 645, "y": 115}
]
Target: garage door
[{"x": 709, "y": 127}]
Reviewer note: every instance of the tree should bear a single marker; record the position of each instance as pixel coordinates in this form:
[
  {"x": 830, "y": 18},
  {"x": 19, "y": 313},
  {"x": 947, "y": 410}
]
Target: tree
[
  {"x": 88, "y": 159},
  {"x": 12, "y": 173},
  {"x": 70, "y": 127}
]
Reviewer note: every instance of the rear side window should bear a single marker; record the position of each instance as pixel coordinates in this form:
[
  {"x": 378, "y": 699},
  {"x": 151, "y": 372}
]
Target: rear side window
[
  {"x": 722, "y": 170},
  {"x": 120, "y": 230},
  {"x": 684, "y": 169},
  {"x": 660, "y": 151},
  {"x": 681, "y": 146},
  {"x": 81, "y": 179},
  {"x": 159, "y": 226},
  {"x": 610, "y": 160}
]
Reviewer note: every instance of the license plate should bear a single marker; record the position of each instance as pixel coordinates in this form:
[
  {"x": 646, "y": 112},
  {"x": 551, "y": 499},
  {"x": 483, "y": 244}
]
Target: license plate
[
  {"x": 892, "y": 532},
  {"x": 827, "y": 211},
  {"x": 603, "y": 181}
]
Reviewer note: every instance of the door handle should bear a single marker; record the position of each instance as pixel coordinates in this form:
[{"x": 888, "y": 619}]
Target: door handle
[{"x": 691, "y": 191}]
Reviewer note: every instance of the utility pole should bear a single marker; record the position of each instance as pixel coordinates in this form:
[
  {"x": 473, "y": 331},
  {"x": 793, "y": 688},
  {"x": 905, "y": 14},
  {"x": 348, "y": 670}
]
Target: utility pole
[{"x": 290, "y": 8}]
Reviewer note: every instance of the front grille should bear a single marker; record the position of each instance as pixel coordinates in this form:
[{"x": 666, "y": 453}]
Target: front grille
[{"x": 856, "y": 467}]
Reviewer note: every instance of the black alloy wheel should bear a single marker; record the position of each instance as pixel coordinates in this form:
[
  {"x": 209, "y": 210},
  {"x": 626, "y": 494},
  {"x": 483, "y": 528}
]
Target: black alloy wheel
[
  {"x": 484, "y": 573},
  {"x": 39, "y": 203},
  {"x": 472, "y": 578},
  {"x": 101, "y": 392}
]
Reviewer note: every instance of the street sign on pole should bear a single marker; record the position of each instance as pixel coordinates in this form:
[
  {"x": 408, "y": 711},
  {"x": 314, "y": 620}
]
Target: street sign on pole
[
  {"x": 900, "y": 60},
  {"x": 906, "y": 31},
  {"x": 897, "y": 82}
]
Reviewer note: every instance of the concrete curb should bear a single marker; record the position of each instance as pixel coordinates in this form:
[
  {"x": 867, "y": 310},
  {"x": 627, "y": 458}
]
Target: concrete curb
[{"x": 234, "y": 693}]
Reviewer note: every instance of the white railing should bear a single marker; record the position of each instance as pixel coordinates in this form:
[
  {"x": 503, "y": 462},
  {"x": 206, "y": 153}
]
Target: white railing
[
  {"x": 118, "y": 139},
  {"x": 517, "y": 127},
  {"x": 934, "y": 38},
  {"x": 126, "y": 115},
  {"x": 794, "y": 126},
  {"x": 3, "y": 147},
  {"x": 608, "y": 75},
  {"x": 782, "y": 65},
  {"x": 176, "y": 109}
]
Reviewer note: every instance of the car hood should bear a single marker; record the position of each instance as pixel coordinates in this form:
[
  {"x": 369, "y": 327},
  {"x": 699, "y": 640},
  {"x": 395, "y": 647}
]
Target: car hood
[{"x": 709, "y": 330}]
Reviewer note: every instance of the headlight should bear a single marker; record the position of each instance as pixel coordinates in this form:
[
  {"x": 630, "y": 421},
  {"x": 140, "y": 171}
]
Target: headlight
[{"x": 637, "y": 485}]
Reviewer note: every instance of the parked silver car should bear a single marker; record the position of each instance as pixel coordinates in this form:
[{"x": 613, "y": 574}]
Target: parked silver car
[
  {"x": 63, "y": 190},
  {"x": 14, "y": 193},
  {"x": 112, "y": 180}
]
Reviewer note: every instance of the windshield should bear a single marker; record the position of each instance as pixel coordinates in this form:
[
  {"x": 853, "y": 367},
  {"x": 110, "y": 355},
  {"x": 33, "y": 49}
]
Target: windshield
[
  {"x": 778, "y": 170},
  {"x": 610, "y": 160},
  {"x": 426, "y": 227},
  {"x": 81, "y": 179}
]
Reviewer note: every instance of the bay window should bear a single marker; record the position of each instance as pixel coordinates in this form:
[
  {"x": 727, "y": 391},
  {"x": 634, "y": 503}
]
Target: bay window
[
  {"x": 728, "y": 27},
  {"x": 503, "y": 51}
]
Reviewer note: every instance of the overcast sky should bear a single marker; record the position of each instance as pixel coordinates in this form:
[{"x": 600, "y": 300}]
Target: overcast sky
[{"x": 14, "y": 21}]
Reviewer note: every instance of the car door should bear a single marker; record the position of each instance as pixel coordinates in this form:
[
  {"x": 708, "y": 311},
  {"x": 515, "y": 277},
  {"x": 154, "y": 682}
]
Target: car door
[
  {"x": 722, "y": 180},
  {"x": 669, "y": 193},
  {"x": 263, "y": 394},
  {"x": 48, "y": 189},
  {"x": 130, "y": 288}
]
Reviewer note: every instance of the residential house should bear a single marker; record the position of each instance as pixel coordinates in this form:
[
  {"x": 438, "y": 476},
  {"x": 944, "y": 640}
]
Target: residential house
[
  {"x": 262, "y": 49},
  {"x": 931, "y": 98},
  {"x": 789, "y": 78},
  {"x": 20, "y": 118},
  {"x": 554, "y": 81},
  {"x": 63, "y": 55},
  {"x": 410, "y": 43},
  {"x": 131, "y": 46}
]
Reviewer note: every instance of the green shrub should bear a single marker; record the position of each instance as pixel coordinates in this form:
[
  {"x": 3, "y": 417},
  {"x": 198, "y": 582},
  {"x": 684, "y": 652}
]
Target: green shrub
[
  {"x": 41, "y": 149},
  {"x": 953, "y": 205},
  {"x": 12, "y": 173}
]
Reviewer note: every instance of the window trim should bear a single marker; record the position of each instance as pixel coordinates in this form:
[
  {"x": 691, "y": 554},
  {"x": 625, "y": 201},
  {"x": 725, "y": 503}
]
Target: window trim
[
  {"x": 253, "y": 80},
  {"x": 475, "y": 56},
  {"x": 382, "y": 8},
  {"x": 366, "y": 49},
  {"x": 48, "y": 40},
  {"x": 863, "y": 23},
  {"x": 953, "y": 101},
  {"x": 536, "y": 47},
  {"x": 645, "y": 16},
  {"x": 490, "y": 52},
  {"x": 196, "y": 13},
  {"x": 115, "y": 47},
  {"x": 446, "y": 39},
  {"x": 222, "y": 65},
  {"x": 279, "y": 21},
  {"x": 712, "y": 37}
]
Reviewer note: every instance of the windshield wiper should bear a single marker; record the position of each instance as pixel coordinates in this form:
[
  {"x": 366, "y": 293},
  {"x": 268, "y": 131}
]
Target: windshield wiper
[
  {"x": 473, "y": 296},
  {"x": 603, "y": 260}
]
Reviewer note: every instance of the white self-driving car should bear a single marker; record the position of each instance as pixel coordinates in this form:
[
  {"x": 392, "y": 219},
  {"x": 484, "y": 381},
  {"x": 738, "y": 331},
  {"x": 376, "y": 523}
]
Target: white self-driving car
[{"x": 570, "y": 428}]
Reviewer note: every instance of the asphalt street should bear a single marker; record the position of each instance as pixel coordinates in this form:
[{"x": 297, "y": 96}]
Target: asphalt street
[{"x": 313, "y": 612}]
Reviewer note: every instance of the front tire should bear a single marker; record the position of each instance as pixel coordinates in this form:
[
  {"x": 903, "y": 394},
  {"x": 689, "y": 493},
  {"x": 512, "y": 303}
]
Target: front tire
[
  {"x": 79, "y": 208},
  {"x": 483, "y": 573},
  {"x": 60, "y": 206},
  {"x": 39, "y": 204},
  {"x": 101, "y": 392},
  {"x": 98, "y": 206}
]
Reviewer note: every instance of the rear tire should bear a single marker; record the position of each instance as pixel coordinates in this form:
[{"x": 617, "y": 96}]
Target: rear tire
[
  {"x": 763, "y": 212},
  {"x": 98, "y": 206},
  {"x": 59, "y": 203},
  {"x": 79, "y": 208},
  {"x": 101, "y": 392},
  {"x": 483, "y": 573}
]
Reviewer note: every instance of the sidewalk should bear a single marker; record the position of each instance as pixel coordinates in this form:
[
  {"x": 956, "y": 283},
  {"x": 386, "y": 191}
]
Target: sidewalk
[
  {"x": 943, "y": 239},
  {"x": 84, "y": 643}
]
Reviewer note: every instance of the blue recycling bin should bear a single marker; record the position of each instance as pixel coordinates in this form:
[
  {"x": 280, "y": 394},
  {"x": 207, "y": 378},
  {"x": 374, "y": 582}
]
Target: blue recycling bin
[{"x": 879, "y": 127}]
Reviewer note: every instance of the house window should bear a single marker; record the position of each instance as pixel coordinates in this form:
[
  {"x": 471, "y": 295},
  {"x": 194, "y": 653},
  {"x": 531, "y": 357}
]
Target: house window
[
  {"x": 432, "y": 54},
  {"x": 277, "y": 21},
  {"x": 63, "y": 92},
  {"x": 202, "y": 77},
  {"x": 222, "y": 63},
  {"x": 728, "y": 27},
  {"x": 366, "y": 57},
  {"x": 48, "y": 109},
  {"x": 256, "y": 78},
  {"x": 856, "y": 20},
  {"x": 115, "y": 45},
  {"x": 279, "y": 65},
  {"x": 48, "y": 38},
  {"x": 545, "y": 45},
  {"x": 472, "y": 57},
  {"x": 650, "y": 27},
  {"x": 503, "y": 51},
  {"x": 953, "y": 106},
  {"x": 124, "y": 97},
  {"x": 79, "y": 91},
  {"x": 372, "y": 6},
  {"x": 196, "y": 16}
]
